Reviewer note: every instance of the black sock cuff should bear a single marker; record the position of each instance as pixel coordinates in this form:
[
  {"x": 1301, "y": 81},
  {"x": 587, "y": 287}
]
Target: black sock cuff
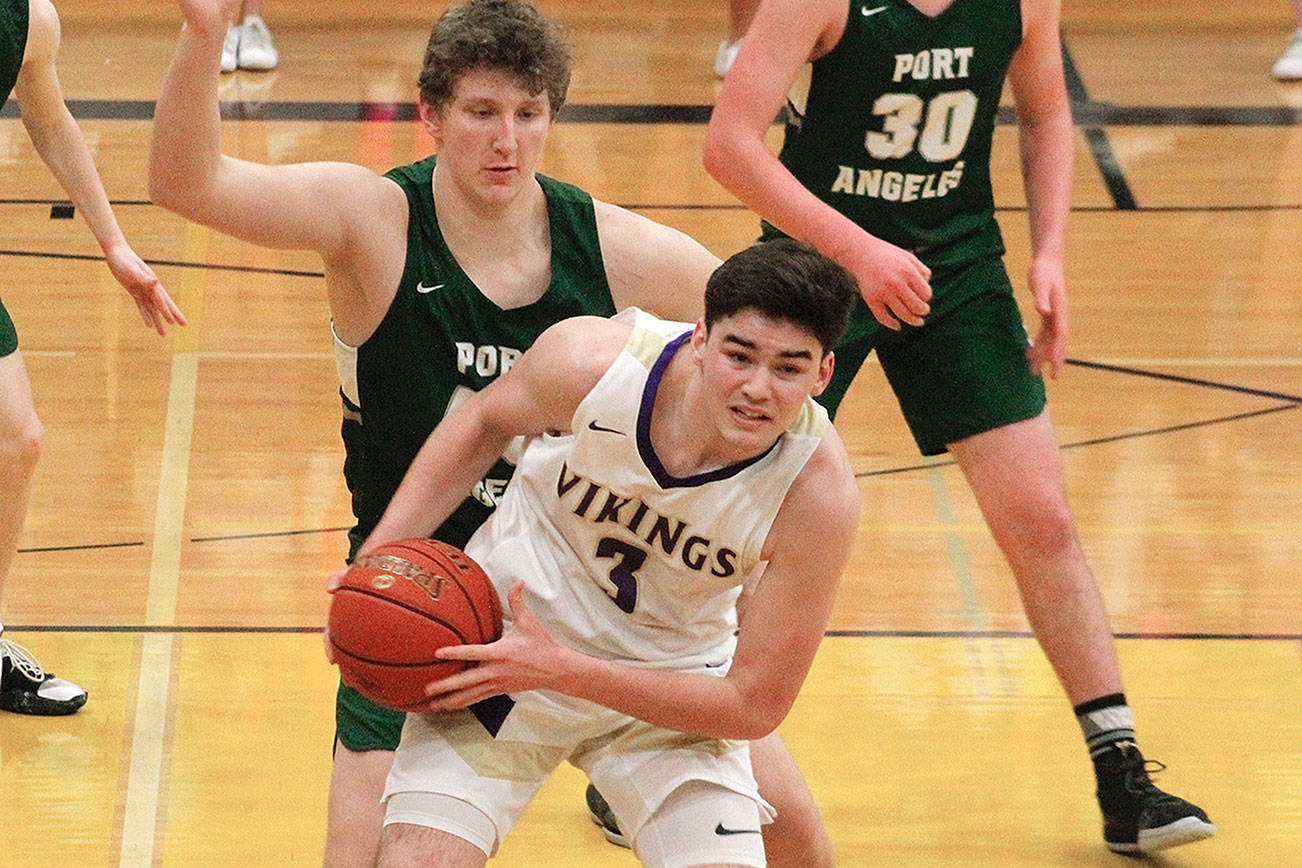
[{"x": 1109, "y": 701}]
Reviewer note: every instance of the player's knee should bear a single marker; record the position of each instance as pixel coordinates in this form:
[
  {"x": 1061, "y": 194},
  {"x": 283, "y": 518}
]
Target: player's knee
[
  {"x": 20, "y": 449},
  {"x": 798, "y": 840}
]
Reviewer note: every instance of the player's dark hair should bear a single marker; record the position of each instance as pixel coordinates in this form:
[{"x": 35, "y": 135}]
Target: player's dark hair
[
  {"x": 500, "y": 35},
  {"x": 784, "y": 279}
]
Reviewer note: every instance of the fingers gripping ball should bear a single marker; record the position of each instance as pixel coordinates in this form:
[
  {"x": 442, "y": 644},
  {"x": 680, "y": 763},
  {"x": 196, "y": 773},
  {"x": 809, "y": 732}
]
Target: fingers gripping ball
[{"x": 396, "y": 606}]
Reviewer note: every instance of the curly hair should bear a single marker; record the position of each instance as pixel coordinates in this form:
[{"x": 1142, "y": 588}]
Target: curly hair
[{"x": 496, "y": 34}]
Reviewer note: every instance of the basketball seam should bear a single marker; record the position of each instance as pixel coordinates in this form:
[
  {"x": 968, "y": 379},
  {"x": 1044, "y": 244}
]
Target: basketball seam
[
  {"x": 410, "y": 608},
  {"x": 489, "y": 631}
]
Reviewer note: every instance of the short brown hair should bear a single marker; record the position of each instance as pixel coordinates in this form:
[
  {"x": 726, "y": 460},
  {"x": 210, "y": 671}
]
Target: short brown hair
[
  {"x": 496, "y": 34},
  {"x": 786, "y": 280}
]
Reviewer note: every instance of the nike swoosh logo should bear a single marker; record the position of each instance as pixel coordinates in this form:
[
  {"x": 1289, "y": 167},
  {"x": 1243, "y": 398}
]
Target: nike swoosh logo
[
  {"x": 595, "y": 427},
  {"x": 720, "y": 830},
  {"x": 422, "y": 288},
  {"x": 867, "y": 12}
]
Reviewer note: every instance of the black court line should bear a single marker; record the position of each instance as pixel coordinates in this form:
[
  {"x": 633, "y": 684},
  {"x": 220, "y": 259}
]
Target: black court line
[
  {"x": 268, "y": 534},
  {"x": 1085, "y": 111},
  {"x": 1101, "y": 149},
  {"x": 1192, "y": 381},
  {"x": 77, "y": 548},
  {"x": 246, "y": 269},
  {"x": 831, "y": 634},
  {"x": 697, "y": 206},
  {"x": 1096, "y": 441}
]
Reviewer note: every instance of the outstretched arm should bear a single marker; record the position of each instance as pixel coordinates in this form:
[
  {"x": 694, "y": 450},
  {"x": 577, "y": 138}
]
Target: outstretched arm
[
  {"x": 354, "y": 218},
  {"x": 62, "y": 147},
  {"x": 1046, "y": 142},
  {"x": 784, "y": 36}
]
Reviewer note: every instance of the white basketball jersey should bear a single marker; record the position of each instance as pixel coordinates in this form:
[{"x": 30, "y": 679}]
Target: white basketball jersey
[{"x": 620, "y": 559}]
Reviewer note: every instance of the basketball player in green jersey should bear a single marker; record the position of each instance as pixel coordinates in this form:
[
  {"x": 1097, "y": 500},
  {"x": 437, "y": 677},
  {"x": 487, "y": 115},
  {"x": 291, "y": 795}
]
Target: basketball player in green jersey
[
  {"x": 438, "y": 278},
  {"x": 886, "y": 168},
  {"x": 29, "y": 44}
]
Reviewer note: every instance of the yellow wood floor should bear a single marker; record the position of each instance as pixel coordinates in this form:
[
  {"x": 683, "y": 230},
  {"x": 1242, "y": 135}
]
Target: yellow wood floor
[{"x": 190, "y": 501}]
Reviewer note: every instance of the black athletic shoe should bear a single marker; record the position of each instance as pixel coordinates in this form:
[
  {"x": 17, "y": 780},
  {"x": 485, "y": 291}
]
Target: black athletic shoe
[
  {"x": 26, "y": 688},
  {"x": 1137, "y": 816},
  {"x": 604, "y": 817}
]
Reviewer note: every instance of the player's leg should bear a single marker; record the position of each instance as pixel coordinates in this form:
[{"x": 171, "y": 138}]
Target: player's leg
[
  {"x": 1289, "y": 65},
  {"x": 702, "y": 824},
  {"x": 256, "y": 50},
  {"x": 366, "y": 736},
  {"x": 25, "y": 687},
  {"x": 410, "y": 846},
  {"x": 1016, "y": 475},
  {"x": 797, "y": 837},
  {"x": 355, "y": 814},
  {"x": 21, "y": 440},
  {"x": 964, "y": 384}
]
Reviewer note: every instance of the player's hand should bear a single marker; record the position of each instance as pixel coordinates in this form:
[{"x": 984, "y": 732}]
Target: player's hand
[
  {"x": 210, "y": 15},
  {"x": 1049, "y": 288},
  {"x": 894, "y": 283},
  {"x": 156, "y": 307},
  {"x": 336, "y": 579},
  {"x": 332, "y": 585},
  {"x": 525, "y": 658}
]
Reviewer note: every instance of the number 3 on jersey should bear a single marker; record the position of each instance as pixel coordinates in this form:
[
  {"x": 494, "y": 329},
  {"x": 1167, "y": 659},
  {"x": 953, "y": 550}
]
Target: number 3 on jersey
[
  {"x": 621, "y": 586},
  {"x": 944, "y": 130}
]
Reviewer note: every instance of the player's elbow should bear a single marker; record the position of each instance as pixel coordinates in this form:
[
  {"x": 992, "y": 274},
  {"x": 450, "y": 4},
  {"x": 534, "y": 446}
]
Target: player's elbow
[
  {"x": 762, "y": 712},
  {"x": 719, "y": 153},
  {"x": 165, "y": 187},
  {"x": 760, "y": 724}
]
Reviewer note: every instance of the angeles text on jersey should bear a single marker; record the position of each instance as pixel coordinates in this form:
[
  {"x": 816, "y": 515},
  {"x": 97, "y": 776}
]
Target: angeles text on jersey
[{"x": 598, "y": 504}]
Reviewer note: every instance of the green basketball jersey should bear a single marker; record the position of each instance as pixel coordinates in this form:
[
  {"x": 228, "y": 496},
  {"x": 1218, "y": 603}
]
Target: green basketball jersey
[
  {"x": 894, "y": 128},
  {"x": 442, "y": 339},
  {"x": 13, "y": 43}
]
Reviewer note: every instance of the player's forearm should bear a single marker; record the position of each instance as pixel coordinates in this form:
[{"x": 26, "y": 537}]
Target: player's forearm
[
  {"x": 755, "y": 176},
  {"x": 185, "y": 152},
  {"x": 706, "y": 705},
  {"x": 64, "y": 150},
  {"x": 1046, "y": 172},
  {"x": 454, "y": 458},
  {"x": 1047, "y": 149}
]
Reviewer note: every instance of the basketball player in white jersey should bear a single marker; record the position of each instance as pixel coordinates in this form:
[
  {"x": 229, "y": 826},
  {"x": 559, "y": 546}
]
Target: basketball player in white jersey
[{"x": 665, "y": 464}]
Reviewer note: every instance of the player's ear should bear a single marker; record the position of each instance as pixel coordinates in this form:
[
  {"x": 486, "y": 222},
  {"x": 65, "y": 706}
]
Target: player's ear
[
  {"x": 825, "y": 367},
  {"x": 431, "y": 120},
  {"x": 699, "y": 336}
]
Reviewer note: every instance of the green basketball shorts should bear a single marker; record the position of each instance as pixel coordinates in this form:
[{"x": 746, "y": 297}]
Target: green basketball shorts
[
  {"x": 361, "y": 725},
  {"x": 963, "y": 372},
  {"x": 8, "y": 333}
]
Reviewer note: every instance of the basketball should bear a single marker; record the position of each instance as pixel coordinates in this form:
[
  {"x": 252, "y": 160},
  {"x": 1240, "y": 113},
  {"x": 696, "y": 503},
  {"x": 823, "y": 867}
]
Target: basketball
[{"x": 398, "y": 604}]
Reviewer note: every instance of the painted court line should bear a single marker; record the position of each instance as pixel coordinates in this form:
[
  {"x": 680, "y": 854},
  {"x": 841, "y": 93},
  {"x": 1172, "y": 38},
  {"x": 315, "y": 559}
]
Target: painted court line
[
  {"x": 153, "y": 693},
  {"x": 148, "y": 747}
]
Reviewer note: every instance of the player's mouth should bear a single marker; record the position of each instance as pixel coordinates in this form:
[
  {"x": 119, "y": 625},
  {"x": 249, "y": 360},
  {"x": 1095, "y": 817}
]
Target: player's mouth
[{"x": 749, "y": 418}]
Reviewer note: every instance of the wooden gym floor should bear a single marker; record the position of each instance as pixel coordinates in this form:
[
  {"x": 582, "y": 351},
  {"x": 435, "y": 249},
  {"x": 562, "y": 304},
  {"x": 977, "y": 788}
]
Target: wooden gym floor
[{"x": 190, "y": 505}]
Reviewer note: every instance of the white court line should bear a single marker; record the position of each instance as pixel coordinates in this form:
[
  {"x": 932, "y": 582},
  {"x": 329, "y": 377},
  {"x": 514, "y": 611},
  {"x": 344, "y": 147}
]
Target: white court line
[{"x": 140, "y": 817}]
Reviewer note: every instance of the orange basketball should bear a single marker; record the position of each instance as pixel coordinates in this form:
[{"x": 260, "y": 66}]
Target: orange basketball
[{"x": 398, "y": 604}]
